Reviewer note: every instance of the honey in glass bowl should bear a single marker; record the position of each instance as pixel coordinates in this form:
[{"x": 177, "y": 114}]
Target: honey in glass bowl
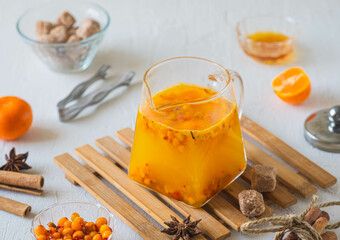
[
  {"x": 269, "y": 39},
  {"x": 188, "y": 142}
]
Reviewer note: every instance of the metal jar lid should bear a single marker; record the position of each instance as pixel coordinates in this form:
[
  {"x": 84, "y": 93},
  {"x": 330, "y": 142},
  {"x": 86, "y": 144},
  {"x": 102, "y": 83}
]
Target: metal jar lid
[{"x": 322, "y": 129}]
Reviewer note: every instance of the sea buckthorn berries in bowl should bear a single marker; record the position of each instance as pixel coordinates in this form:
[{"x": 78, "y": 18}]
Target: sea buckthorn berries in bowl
[
  {"x": 64, "y": 34},
  {"x": 73, "y": 220}
]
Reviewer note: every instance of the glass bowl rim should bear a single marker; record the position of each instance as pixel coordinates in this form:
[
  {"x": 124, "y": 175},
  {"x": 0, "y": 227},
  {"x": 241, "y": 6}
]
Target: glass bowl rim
[
  {"x": 289, "y": 19},
  {"x": 86, "y": 40},
  {"x": 66, "y": 203}
]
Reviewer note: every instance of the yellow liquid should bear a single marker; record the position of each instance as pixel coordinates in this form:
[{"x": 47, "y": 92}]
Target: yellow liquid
[
  {"x": 268, "y": 37},
  {"x": 269, "y": 47},
  {"x": 188, "y": 152}
]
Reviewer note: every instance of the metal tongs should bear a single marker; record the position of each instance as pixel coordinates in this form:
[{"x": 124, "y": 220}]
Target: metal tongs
[{"x": 70, "y": 112}]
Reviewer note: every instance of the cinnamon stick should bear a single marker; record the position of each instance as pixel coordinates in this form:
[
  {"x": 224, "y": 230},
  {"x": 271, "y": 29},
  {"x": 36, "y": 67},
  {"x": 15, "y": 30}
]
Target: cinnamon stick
[
  {"x": 21, "y": 179},
  {"x": 14, "y": 207},
  {"x": 320, "y": 224},
  {"x": 291, "y": 236},
  {"x": 36, "y": 192},
  {"x": 329, "y": 236},
  {"x": 313, "y": 214},
  {"x": 325, "y": 215}
]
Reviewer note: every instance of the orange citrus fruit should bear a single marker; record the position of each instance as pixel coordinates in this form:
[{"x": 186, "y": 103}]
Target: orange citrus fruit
[
  {"x": 292, "y": 86},
  {"x": 15, "y": 117}
]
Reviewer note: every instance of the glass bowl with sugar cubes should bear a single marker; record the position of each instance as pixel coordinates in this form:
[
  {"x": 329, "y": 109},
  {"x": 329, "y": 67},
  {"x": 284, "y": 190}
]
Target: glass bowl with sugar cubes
[{"x": 65, "y": 34}]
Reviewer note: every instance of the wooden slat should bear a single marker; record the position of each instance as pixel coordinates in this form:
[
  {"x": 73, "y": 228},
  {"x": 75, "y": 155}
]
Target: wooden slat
[
  {"x": 126, "y": 135},
  {"x": 281, "y": 196},
  {"x": 118, "y": 178},
  {"x": 122, "y": 156},
  {"x": 287, "y": 153},
  {"x": 235, "y": 188},
  {"x": 111, "y": 200},
  {"x": 226, "y": 212},
  {"x": 286, "y": 175},
  {"x": 71, "y": 180}
]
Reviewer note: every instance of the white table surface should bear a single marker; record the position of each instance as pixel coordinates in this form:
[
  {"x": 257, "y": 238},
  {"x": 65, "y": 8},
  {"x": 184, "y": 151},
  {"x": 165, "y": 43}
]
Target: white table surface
[{"x": 143, "y": 32}]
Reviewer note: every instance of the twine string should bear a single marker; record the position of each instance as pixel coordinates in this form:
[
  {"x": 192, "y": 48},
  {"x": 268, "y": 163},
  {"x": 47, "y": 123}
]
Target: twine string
[{"x": 291, "y": 223}]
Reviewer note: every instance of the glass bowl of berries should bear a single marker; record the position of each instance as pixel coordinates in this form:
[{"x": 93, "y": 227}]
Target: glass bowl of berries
[
  {"x": 73, "y": 220},
  {"x": 64, "y": 34}
]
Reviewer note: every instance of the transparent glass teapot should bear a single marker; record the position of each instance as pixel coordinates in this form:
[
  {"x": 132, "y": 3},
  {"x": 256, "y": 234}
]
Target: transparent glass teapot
[{"x": 188, "y": 143}]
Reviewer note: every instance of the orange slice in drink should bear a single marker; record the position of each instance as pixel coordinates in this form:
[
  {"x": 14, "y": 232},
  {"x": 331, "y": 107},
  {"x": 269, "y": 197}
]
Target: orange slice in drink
[{"x": 292, "y": 86}]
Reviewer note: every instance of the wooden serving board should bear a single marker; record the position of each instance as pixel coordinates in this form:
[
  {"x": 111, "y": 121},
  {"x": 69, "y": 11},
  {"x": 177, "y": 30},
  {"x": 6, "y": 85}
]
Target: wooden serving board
[{"x": 218, "y": 214}]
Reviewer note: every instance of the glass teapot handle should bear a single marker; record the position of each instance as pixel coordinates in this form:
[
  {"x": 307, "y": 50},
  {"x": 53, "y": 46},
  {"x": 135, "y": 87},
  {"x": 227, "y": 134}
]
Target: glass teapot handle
[{"x": 239, "y": 90}]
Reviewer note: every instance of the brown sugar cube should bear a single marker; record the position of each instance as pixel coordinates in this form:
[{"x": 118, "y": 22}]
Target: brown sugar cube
[
  {"x": 66, "y": 19},
  {"x": 87, "y": 28},
  {"x": 43, "y": 28},
  {"x": 72, "y": 31},
  {"x": 47, "y": 38},
  {"x": 59, "y": 33},
  {"x": 263, "y": 178},
  {"x": 73, "y": 38},
  {"x": 251, "y": 203}
]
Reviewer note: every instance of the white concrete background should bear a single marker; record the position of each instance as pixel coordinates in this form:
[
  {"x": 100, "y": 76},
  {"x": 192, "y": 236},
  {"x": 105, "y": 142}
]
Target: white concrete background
[{"x": 142, "y": 33}]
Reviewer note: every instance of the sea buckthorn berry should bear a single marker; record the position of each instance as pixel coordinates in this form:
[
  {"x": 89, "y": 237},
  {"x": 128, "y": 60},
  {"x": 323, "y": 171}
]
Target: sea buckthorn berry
[
  {"x": 89, "y": 226},
  {"x": 93, "y": 233},
  {"x": 56, "y": 235},
  {"x": 68, "y": 237},
  {"x": 74, "y": 216},
  {"x": 78, "y": 235},
  {"x": 78, "y": 219},
  {"x": 104, "y": 228},
  {"x": 100, "y": 221},
  {"x": 40, "y": 230},
  {"x": 177, "y": 195},
  {"x": 60, "y": 230},
  {"x": 67, "y": 224},
  {"x": 76, "y": 225},
  {"x": 62, "y": 221},
  {"x": 67, "y": 231},
  {"x": 51, "y": 230},
  {"x": 97, "y": 237},
  {"x": 87, "y": 237},
  {"x": 147, "y": 181},
  {"x": 42, "y": 237},
  {"x": 106, "y": 235},
  {"x": 51, "y": 224}
]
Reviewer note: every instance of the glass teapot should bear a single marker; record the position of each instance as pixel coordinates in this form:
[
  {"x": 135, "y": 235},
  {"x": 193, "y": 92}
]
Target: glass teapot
[{"x": 188, "y": 143}]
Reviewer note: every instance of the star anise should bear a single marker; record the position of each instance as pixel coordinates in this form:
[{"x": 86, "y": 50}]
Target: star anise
[
  {"x": 15, "y": 163},
  {"x": 184, "y": 230}
]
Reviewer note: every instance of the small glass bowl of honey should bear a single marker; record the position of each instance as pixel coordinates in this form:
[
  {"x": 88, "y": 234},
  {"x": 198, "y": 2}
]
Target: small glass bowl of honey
[{"x": 268, "y": 38}]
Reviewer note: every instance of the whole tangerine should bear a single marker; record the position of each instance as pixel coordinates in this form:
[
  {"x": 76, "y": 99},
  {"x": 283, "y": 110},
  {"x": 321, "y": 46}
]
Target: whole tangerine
[{"x": 15, "y": 117}]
